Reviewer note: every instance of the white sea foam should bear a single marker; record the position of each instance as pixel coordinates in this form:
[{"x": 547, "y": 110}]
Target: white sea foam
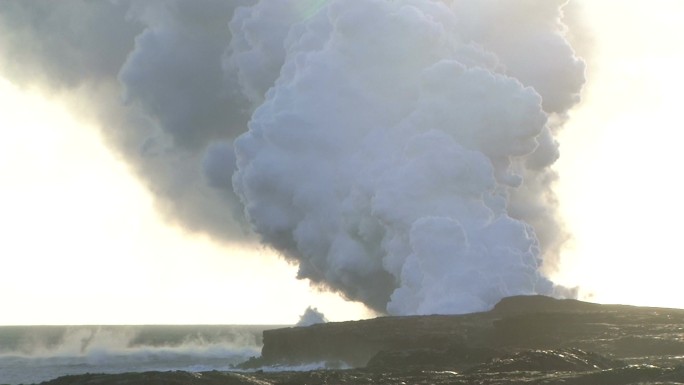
[{"x": 318, "y": 365}]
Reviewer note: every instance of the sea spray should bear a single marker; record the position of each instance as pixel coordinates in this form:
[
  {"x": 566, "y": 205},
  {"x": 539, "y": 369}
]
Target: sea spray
[{"x": 32, "y": 354}]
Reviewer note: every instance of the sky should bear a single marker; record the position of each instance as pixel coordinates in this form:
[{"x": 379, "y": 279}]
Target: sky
[
  {"x": 85, "y": 243},
  {"x": 619, "y": 186}
]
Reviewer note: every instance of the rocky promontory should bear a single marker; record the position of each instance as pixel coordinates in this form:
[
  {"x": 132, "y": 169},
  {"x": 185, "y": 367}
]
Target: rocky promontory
[{"x": 515, "y": 324}]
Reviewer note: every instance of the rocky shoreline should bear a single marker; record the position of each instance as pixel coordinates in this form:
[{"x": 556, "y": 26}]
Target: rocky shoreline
[{"x": 532, "y": 340}]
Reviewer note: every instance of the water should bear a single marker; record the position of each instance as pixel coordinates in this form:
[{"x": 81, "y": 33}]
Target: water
[{"x": 32, "y": 354}]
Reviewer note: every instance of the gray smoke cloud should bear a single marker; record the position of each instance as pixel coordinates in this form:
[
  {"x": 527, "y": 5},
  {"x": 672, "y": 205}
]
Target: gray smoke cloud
[
  {"x": 398, "y": 151},
  {"x": 150, "y": 72}
]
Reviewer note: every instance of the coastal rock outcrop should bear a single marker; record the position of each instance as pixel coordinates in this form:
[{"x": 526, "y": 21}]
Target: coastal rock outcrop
[{"x": 459, "y": 341}]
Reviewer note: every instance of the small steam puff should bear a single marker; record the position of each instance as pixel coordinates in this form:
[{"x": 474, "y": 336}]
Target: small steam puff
[
  {"x": 311, "y": 316},
  {"x": 397, "y": 139}
]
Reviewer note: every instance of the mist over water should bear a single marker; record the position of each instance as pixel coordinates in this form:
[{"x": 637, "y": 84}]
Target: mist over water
[
  {"x": 32, "y": 354},
  {"x": 398, "y": 151}
]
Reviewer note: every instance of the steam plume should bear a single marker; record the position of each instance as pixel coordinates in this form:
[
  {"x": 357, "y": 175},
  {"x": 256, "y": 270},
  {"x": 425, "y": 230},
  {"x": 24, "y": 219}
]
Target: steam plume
[
  {"x": 385, "y": 153},
  {"x": 397, "y": 151}
]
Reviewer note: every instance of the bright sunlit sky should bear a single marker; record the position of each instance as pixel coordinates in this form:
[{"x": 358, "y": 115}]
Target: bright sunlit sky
[
  {"x": 82, "y": 243},
  {"x": 620, "y": 175}
]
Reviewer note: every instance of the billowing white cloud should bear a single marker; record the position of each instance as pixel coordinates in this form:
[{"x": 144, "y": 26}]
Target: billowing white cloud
[
  {"x": 397, "y": 151},
  {"x": 385, "y": 154}
]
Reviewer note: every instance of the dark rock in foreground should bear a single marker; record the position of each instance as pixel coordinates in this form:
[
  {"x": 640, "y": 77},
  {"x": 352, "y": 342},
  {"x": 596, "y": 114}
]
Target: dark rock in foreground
[
  {"x": 532, "y": 340},
  {"x": 561, "y": 360},
  {"x": 633, "y": 374}
]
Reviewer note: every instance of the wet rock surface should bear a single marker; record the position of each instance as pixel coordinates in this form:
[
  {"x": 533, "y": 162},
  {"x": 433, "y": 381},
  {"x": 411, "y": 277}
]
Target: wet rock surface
[
  {"x": 562, "y": 360},
  {"x": 633, "y": 374},
  {"x": 531, "y": 340}
]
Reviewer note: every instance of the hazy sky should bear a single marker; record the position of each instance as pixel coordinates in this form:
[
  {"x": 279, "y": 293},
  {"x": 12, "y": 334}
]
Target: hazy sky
[
  {"x": 619, "y": 185},
  {"x": 103, "y": 254},
  {"x": 83, "y": 244}
]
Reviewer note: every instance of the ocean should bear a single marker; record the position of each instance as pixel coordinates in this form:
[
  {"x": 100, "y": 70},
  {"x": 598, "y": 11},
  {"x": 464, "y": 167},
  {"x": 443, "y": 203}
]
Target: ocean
[{"x": 33, "y": 354}]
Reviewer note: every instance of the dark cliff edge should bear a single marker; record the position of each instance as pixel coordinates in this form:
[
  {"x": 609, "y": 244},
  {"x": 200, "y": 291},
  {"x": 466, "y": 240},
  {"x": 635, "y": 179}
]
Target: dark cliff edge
[
  {"x": 524, "y": 339},
  {"x": 515, "y": 324}
]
